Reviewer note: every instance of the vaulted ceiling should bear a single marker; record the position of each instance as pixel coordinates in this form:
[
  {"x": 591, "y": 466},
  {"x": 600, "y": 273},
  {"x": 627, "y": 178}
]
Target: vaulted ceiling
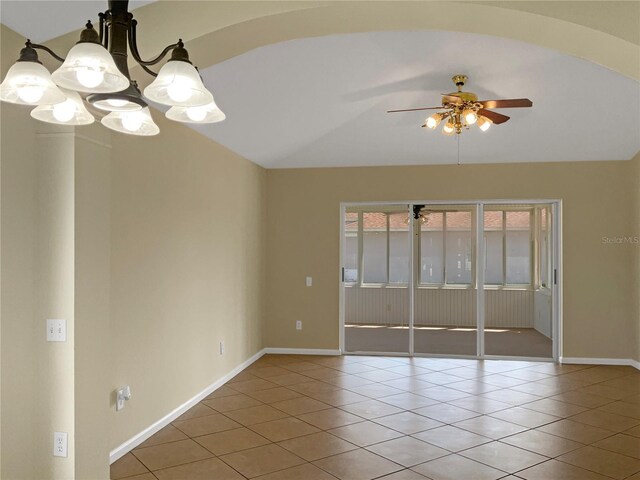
[{"x": 320, "y": 101}]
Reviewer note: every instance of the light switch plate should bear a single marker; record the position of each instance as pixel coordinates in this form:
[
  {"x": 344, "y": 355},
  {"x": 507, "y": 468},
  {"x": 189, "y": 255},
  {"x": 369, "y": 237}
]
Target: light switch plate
[
  {"x": 56, "y": 330},
  {"x": 309, "y": 281},
  {"x": 120, "y": 399}
]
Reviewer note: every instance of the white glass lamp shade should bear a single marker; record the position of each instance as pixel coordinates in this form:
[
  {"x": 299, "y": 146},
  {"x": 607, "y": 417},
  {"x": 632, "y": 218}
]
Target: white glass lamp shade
[
  {"x": 448, "y": 128},
  {"x": 127, "y": 100},
  {"x": 132, "y": 123},
  {"x": 205, "y": 114},
  {"x": 484, "y": 123},
  {"x": 470, "y": 116},
  {"x": 116, "y": 105},
  {"x": 433, "y": 121},
  {"x": 29, "y": 83},
  {"x": 89, "y": 67},
  {"x": 70, "y": 112},
  {"x": 178, "y": 84}
]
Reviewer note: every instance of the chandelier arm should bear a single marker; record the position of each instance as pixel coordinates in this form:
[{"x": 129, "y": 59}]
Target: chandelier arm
[
  {"x": 133, "y": 45},
  {"x": 148, "y": 70},
  {"x": 46, "y": 49},
  {"x": 101, "y": 30}
]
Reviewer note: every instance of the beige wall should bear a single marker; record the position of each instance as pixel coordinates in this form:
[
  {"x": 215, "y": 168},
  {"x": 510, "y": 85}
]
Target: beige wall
[
  {"x": 155, "y": 248},
  {"x": 17, "y": 275},
  {"x": 93, "y": 346},
  {"x": 303, "y": 240},
  {"x": 188, "y": 221},
  {"x": 37, "y": 283},
  {"x": 54, "y": 298},
  {"x": 170, "y": 256}
]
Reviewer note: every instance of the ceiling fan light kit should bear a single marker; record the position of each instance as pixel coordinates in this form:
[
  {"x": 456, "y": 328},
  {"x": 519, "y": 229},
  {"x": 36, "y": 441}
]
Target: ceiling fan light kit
[
  {"x": 484, "y": 123},
  {"x": 462, "y": 109},
  {"x": 97, "y": 67}
]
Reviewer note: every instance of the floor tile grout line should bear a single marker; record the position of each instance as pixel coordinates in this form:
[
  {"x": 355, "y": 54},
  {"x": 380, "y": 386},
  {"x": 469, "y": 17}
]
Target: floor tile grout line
[
  {"x": 628, "y": 395},
  {"x": 177, "y": 464},
  {"x": 584, "y": 468}
]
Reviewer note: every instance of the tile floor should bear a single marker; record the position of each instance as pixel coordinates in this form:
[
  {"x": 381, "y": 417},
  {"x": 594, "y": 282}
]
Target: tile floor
[{"x": 290, "y": 417}]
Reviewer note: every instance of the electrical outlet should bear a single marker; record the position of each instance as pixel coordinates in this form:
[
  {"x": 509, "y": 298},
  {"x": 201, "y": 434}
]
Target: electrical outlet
[
  {"x": 221, "y": 347},
  {"x": 309, "y": 282},
  {"x": 298, "y": 324},
  {"x": 59, "y": 444},
  {"x": 56, "y": 330}
]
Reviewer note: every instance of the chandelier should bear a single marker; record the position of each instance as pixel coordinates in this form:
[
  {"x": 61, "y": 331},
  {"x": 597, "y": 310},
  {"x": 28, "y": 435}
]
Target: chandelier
[{"x": 96, "y": 69}]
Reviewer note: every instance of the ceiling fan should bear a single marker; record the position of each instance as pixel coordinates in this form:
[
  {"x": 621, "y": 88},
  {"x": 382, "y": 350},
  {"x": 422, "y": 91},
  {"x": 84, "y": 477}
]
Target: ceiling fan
[{"x": 462, "y": 109}]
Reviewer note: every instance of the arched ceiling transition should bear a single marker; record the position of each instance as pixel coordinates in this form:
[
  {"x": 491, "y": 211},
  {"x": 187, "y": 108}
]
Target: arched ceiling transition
[{"x": 320, "y": 100}]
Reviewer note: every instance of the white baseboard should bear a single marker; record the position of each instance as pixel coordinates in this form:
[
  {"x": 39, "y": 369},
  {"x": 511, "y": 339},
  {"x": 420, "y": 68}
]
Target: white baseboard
[
  {"x": 136, "y": 440},
  {"x": 301, "y": 351},
  {"x": 133, "y": 442},
  {"x": 601, "y": 361}
]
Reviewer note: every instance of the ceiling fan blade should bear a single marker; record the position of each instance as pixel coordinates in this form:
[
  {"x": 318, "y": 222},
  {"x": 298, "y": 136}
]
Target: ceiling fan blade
[
  {"x": 414, "y": 109},
  {"x": 495, "y": 117},
  {"x": 508, "y": 103},
  {"x": 450, "y": 98}
]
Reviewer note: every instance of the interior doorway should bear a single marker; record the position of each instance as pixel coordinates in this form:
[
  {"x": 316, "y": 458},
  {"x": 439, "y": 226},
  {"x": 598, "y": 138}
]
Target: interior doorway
[{"x": 471, "y": 279}]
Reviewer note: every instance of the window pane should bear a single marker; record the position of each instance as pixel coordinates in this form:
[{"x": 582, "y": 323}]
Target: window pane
[
  {"x": 398, "y": 248},
  {"x": 544, "y": 247},
  {"x": 493, "y": 248},
  {"x": 374, "y": 247},
  {"x": 458, "y": 248},
  {"x": 518, "y": 247},
  {"x": 351, "y": 247},
  {"x": 431, "y": 251}
]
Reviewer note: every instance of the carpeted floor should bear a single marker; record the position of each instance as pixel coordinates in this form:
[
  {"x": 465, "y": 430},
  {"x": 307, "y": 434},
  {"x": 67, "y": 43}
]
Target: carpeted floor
[{"x": 518, "y": 342}]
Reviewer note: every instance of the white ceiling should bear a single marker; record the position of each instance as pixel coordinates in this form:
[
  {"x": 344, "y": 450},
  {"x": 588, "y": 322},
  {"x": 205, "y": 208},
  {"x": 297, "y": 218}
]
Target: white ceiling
[
  {"x": 321, "y": 101},
  {"x": 43, "y": 20}
]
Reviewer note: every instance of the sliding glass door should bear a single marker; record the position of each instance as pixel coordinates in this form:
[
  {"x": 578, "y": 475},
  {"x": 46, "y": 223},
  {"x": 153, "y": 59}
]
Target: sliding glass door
[
  {"x": 467, "y": 279},
  {"x": 518, "y": 285},
  {"x": 445, "y": 320},
  {"x": 376, "y": 279}
]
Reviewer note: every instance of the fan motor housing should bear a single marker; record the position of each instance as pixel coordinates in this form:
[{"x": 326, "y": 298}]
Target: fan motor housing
[{"x": 465, "y": 96}]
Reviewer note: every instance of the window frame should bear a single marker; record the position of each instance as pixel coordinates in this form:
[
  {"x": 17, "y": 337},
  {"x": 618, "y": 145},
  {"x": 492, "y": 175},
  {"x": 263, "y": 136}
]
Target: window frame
[
  {"x": 358, "y": 237},
  {"x": 360, "y": 258},
  {"x": 535, "y": 241},
  {"x": 533, "y": 253},
  {"x": 444, "y": 209},
  {"x": 540, "y": 283}
]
